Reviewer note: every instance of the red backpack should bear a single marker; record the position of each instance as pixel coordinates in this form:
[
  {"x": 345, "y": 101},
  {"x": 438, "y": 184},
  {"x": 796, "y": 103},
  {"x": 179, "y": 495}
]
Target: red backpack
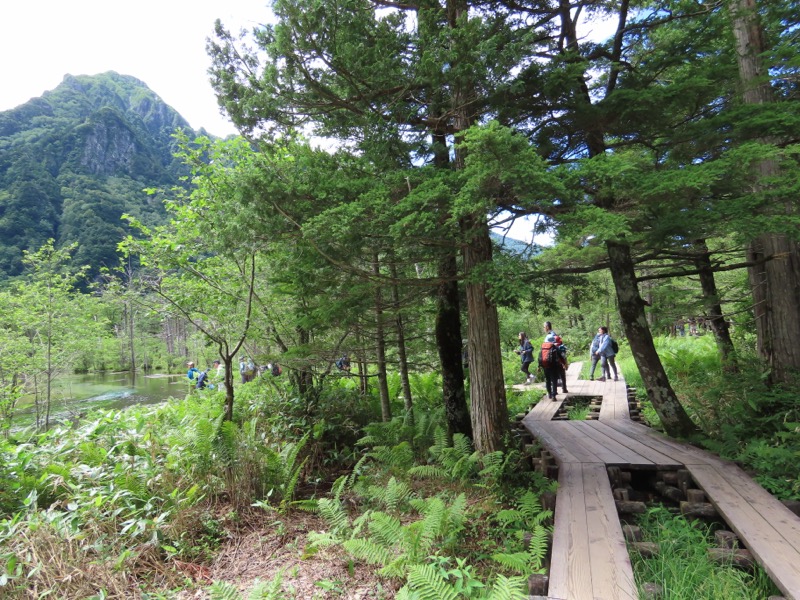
[{"x": 549, "y": 355}]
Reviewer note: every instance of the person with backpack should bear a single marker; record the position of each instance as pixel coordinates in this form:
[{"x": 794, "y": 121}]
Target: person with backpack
[
  {"x": 202, "y": 380},
  {"x": 548, "y": 360},
  {"x": 193, "y": 371},
  {"x": 594, "y": 352},
  {"x": 525, "y": 351},
  {"x": 607, "y": 353},
  {"x": 562, "y": 363}
]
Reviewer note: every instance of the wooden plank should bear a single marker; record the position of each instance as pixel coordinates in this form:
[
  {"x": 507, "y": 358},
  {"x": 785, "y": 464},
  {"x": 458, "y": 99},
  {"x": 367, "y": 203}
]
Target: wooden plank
[
  {"x": 612, "y": 573},
  {"x": 607, "y": 438},
  {"x": 590, "y": 559},
  {"x": 559, "y": 441},
  {"x": 570, "y": 575},
  {"x": 615, "y": 401},
  {"x": 579, "y": 433},
  {"x": 687, "y": 455},
  {"x": 776, "y": 546},
  {"x": 545, "y": 409},
  {"x": 658, "y": 459}
]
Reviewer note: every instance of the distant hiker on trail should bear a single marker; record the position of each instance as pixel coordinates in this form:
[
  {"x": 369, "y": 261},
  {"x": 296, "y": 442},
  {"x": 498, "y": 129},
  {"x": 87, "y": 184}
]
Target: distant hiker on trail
[
  {"x": 250, "y": 370},
  {"x": 607, "y": 354},
  {"x": 193, "y": 371},
  {"x": 243, "y": 369},
  {"x": 343, "y": 363},
  {"x": 594, "y": 352},
  {"x": 562, "y": 363},
  {"x": 525, "y": 351},
  {"x": 202, "y": 381},
  {"x": 548, "y": 360}
]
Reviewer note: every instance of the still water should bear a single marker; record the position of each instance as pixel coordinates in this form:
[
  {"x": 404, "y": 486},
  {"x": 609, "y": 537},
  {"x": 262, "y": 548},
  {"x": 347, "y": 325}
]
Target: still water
[{"x": 75, "y": 395}]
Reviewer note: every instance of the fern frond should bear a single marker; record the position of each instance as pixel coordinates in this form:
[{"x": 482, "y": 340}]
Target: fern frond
[
  {"x": 222, "y": 590},
  {"x": 386, "y": 529},
  {"x": 429, "y": 584},
  {"x": 334, "y": 514},
  {"x": 509, "y": 588},
  {"x": 537, "y": 546},
  {"x": 368, "y": 551},
  {"x": 396, "y": 569},
  {"x": 428, "y": 472},
  {"x": 396, "y": 493},
  {"x": 517, "y": 561},
  {"x": 268, "y": 590},
  {"x": 439, "y": 443}
]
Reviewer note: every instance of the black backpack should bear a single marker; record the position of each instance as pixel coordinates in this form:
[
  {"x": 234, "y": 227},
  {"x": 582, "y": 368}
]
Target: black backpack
[{"x": 614, "y": 345}]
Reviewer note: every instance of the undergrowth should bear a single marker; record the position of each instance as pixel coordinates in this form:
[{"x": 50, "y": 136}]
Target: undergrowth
[{"x": 682, "y": 568}]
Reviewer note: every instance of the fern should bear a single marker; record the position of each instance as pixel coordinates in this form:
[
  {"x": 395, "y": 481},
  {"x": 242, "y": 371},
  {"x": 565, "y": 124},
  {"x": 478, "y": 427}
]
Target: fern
[
  {"x": 334, "y": 514},
  {"x": 221, "y": 590},
  {"x": 517, "y": 561},
  {"x": 427, "y": 472},
  {"x": 368, "y": 551},
  {"x": 508, "y": 588},
  {"x": 424, "y": 580},
  {"x": 386, "y": 529},
  {"x": 392, "y": 495},
  {"x": 268, "y": 590}
]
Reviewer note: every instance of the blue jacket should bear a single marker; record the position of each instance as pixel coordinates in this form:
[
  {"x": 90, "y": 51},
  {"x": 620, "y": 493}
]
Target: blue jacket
[
  {"x": 595, "y": 344},
  {"x": 605, "y": 347},
  {"x": 526, "y": 352}
]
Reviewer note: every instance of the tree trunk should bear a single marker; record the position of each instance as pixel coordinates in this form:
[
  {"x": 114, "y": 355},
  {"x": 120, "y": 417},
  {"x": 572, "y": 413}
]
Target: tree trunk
[
  {"x": 631, "y": 308},
  {"x": 486, "y": 385},
  {"x": 776, "y": 280},
  {"x": 448, "y": 343},
  {"x": 380, "y": 347},
  {"x": 713, "y": 309},
  {"x": 131, "y": 338},
  {"x": 401, "y": 343}
]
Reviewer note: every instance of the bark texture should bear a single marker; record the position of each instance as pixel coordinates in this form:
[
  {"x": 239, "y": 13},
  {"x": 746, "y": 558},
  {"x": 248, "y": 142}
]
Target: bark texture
[{"x": 631, "y": 308}]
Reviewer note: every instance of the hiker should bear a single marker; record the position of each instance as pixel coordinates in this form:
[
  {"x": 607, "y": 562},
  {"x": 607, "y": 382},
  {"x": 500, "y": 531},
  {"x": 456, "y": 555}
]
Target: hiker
[
  {"x": 594, "y": 352},
  {"x": 607, "y": 354},
  {"x": 525, "y": 351},
  {"x": 562, "y": 364},
  {"x": 243, "y": 369},
  {"x": 193, "y": 371},
  {"x": 202, "y": 380},
  {"x": 343, "y": 363},
  {"x": 548, "y": 360},
  {"x": 250, "y": 370}
]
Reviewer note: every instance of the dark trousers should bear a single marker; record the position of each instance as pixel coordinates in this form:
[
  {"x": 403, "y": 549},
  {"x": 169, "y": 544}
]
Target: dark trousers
[
  {"x": 551, "y": 378},
  {"x": 609, "y": 360},
  {"x": 595, "y": 358}
]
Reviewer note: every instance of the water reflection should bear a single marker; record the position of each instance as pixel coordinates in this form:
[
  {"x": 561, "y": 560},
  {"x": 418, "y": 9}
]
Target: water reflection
[{"x": 73, "y": 395}]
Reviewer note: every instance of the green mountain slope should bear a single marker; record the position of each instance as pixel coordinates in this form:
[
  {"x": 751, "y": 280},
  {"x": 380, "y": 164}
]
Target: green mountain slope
[{"x": 77, "y": 158}]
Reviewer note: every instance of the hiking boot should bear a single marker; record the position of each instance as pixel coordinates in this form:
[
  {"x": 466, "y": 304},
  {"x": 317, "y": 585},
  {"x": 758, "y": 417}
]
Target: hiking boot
[
  {"x": 601, "y": 379},
  {"x": 565, "y": 391},
  {"x": 616, "y": 378}
]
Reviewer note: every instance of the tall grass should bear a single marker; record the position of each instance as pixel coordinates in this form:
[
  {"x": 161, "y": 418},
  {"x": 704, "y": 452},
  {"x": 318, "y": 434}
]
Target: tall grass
[{"x": 682, "y": 567}]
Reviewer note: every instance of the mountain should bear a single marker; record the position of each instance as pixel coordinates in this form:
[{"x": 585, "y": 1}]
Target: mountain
[{"x": 76, "y": 159}]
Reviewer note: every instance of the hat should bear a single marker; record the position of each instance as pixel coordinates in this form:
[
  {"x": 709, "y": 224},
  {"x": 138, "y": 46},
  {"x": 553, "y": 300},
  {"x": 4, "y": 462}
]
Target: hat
[{"x": 190, "y": 364}]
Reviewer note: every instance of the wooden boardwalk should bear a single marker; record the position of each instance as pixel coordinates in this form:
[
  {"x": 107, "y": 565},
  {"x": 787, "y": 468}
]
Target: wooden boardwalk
[{"x": 589, "y": 557}]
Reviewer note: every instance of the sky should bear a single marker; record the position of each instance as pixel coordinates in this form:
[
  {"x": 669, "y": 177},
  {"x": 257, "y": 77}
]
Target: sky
[{"x": 161, "y": 43}]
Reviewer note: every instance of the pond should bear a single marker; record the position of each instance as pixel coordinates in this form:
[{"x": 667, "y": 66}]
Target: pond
[{"x": 73, "y": 395}]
